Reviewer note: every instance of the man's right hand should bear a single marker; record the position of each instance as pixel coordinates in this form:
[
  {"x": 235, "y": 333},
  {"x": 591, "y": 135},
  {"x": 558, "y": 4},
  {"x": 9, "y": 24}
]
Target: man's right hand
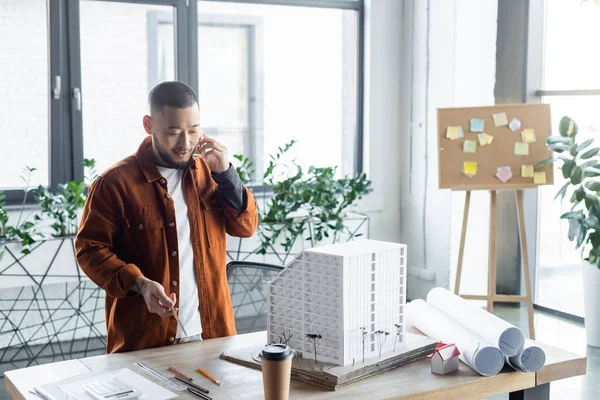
[{"x": 154, "y": 295}]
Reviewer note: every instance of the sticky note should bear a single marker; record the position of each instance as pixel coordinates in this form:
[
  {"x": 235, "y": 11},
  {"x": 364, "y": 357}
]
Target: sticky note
[
  {"x": 476, "y": 125},
  {"x": 469, "y": 146},
  {"x": 528, "y": 135},
  {"x": 484, "y": 139},
  {"x": 539, "y": 178},
  {"x": 504, "y": 174},
  {"x": 454, "y": 132},
  {"x": 500, "y": 119},
  {"x": 469, "y": 168},
  {"x": 527, "y": 171},
  {"x": 514, "y": 125},
  {"x": 521, "y": 149}
]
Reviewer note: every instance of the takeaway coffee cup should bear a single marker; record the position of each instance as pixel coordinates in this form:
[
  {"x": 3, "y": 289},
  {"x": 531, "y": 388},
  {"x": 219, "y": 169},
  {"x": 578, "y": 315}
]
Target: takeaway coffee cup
[{"x": 276, "y": 360}]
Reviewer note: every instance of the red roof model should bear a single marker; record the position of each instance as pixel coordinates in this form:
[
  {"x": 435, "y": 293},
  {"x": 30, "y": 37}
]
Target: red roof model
[{"x": 446, "y": 351}]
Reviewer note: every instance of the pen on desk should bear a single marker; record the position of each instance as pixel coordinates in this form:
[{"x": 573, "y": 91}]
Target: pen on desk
[
  {"x": 206, "y": 374},
  {"x": 199, "y": 394},
  {"x": 178, "y": 372},
  {"x": 192, "y": 384}
]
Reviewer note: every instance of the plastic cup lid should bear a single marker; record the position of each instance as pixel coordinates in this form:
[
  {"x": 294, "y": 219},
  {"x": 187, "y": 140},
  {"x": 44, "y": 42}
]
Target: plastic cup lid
[{"x": 276, "y": 352}]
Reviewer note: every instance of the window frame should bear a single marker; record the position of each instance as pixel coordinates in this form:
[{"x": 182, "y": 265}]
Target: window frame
[{"x": 65, "y": 144}]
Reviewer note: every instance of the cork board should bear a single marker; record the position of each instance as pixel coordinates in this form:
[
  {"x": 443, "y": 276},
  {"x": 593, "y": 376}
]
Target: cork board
[{"x": 499, "y": 153}]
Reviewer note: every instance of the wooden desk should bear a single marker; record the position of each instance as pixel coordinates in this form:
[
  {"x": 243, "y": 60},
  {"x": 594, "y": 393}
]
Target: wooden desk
[{"x": 413, "y": 381}]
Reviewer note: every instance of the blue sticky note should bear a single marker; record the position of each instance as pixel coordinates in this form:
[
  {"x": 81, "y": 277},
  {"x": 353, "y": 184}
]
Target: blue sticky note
[{"x": 476, "y": 125}]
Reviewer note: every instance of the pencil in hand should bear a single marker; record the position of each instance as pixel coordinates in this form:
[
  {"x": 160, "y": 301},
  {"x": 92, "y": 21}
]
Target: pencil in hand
[{"x": 206, "y": 374}]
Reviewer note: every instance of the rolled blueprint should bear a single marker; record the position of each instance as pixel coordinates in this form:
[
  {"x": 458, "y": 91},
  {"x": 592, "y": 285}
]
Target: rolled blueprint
[
  {"x": 531, "y": 359},
  {"x": 476, "y": 352},
  {"x": 507, "y": 337}
]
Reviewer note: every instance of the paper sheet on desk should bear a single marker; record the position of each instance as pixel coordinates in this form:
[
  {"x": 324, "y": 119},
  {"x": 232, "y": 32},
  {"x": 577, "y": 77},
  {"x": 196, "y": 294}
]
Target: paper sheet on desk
[
  {"x": 476, "y": 352},
  {"x": 60, "y": 370},
  {"x": 150, "y": 390}
]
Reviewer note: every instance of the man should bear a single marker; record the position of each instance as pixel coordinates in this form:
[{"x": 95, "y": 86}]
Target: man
[{"x": 152, "y": 234}]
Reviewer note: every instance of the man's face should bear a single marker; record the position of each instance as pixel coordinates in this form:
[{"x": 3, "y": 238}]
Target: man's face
[{"x": 175, "y": 134}]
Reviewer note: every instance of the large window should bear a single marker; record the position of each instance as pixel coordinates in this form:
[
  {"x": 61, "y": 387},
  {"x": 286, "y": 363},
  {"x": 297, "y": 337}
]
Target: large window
[
  {"x": 267, "y": 72},
  {"x": 571, "y": 84},
  {"x": 116, "y": 75},
  {"x": 23, "y": 91}
]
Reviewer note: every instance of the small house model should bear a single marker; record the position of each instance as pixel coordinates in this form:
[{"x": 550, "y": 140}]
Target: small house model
[
  {"x": 349, "y": 295},
  {"x": 444, "y": 359}
]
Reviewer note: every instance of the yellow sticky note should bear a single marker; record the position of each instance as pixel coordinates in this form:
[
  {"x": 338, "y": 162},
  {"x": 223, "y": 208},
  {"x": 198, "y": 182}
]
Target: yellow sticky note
[
  {"x": 469, "y": 146},
  {"x": 528, "y": 135},
  {"x": 527, "y": 171},
  {"x": 454, "y": 132},
  {"x": 470, "y": 168},
  {"x": 521, "y": 149},
  {"x": 500, "y": 119},
  {"x": 484, "y": 139},
  {"x": 539, "y": 178}
]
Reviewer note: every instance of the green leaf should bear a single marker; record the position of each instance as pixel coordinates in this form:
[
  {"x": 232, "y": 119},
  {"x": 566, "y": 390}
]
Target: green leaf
[
  {"x": 585, "y": 144},
  {"x": 568, "y": 168},
  {"x": 557, "y": 139},
  {"x": 594, "y": 186},
  {"x": 581, "y": 236},
  {"x": 591, "y": 222},
  {"x": 576, "y": 176},
  {"x": 590, "y": 153},
  {"x": 572, "y": 215},
  {"x": 547, "y": 162},
  {"x": 591, "y": 171},
  {"x": 579, "y": 194},
  {"x": 558, "y": 148},
  {"x": 574, "y": 149},
  {"x": 574, "y": 228},
  {"x": 565, "y": 127},
  {"x": 591, "y": 163}
]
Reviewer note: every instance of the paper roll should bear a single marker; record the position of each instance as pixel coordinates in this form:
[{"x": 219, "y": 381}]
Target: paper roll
[
  {"x": 531, "y": 359},
  {"x": 476, "y": 352},
  {"x": 507, "y": 337}
]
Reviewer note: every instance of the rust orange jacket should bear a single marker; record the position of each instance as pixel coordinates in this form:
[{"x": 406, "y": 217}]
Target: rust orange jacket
[{"x": 128, "y": 229}]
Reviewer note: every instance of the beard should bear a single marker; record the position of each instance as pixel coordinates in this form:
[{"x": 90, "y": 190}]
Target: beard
[{"x": 167, "y": 158}]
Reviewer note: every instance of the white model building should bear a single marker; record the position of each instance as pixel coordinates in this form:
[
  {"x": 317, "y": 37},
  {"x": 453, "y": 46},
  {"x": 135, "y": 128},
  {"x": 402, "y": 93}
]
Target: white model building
[{"x": 340, "y": 291}]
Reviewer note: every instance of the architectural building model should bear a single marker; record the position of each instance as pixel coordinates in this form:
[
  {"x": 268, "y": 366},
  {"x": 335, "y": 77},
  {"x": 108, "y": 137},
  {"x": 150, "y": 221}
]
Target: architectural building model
[{"x": 346, "y": 300}]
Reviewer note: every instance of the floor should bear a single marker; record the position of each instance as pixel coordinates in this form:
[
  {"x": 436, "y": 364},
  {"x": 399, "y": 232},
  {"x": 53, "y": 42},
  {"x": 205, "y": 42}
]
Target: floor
[{"x": 551, "y": 330}]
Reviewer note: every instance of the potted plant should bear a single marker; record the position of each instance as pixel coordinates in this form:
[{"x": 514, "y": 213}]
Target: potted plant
[
  {"x": 62, "y": 205},
  {"x": 580, "y": 165},
  {"x": 23, "y": 232},
  {"x": 302, "y": 204}
]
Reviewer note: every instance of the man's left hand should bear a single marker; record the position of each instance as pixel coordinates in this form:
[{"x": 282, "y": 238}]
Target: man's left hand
[{"x": 214, "y": 153}]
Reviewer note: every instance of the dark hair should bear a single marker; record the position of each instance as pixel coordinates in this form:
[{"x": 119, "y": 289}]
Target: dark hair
[{"x": 171, "y": 94}]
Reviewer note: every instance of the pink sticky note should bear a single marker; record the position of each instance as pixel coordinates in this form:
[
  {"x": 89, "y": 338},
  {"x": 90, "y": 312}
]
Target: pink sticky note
[{"x": 504, "y": 174}]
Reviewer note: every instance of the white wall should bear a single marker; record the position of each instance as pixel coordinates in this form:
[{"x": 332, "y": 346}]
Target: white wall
[
  {"x": 383, "y": 121},
  {"x": 453, "y": 64}
]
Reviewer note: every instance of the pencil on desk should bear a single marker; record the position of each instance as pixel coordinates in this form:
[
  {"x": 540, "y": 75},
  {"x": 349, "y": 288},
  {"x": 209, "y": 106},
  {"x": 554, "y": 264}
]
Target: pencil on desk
[
  {"x": 178, "y": 372},
  {"x": 175, "y": 312},
  {"x": 206, "y": 374}
]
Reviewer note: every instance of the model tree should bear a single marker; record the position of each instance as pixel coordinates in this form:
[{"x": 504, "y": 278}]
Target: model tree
[
  {"x": 314, "y": 338},
  {"x": 398, "y": 333},
  {"x": 381, "y": 337},
  {"x": 363, "y": 331}
]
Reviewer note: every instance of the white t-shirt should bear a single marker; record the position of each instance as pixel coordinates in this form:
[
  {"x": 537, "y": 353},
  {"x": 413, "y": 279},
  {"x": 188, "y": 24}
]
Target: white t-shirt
[{"x": 189, "y": 306}]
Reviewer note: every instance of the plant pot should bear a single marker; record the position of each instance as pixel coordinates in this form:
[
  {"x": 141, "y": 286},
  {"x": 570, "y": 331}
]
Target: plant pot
[{"x": 591, "y": 301}]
